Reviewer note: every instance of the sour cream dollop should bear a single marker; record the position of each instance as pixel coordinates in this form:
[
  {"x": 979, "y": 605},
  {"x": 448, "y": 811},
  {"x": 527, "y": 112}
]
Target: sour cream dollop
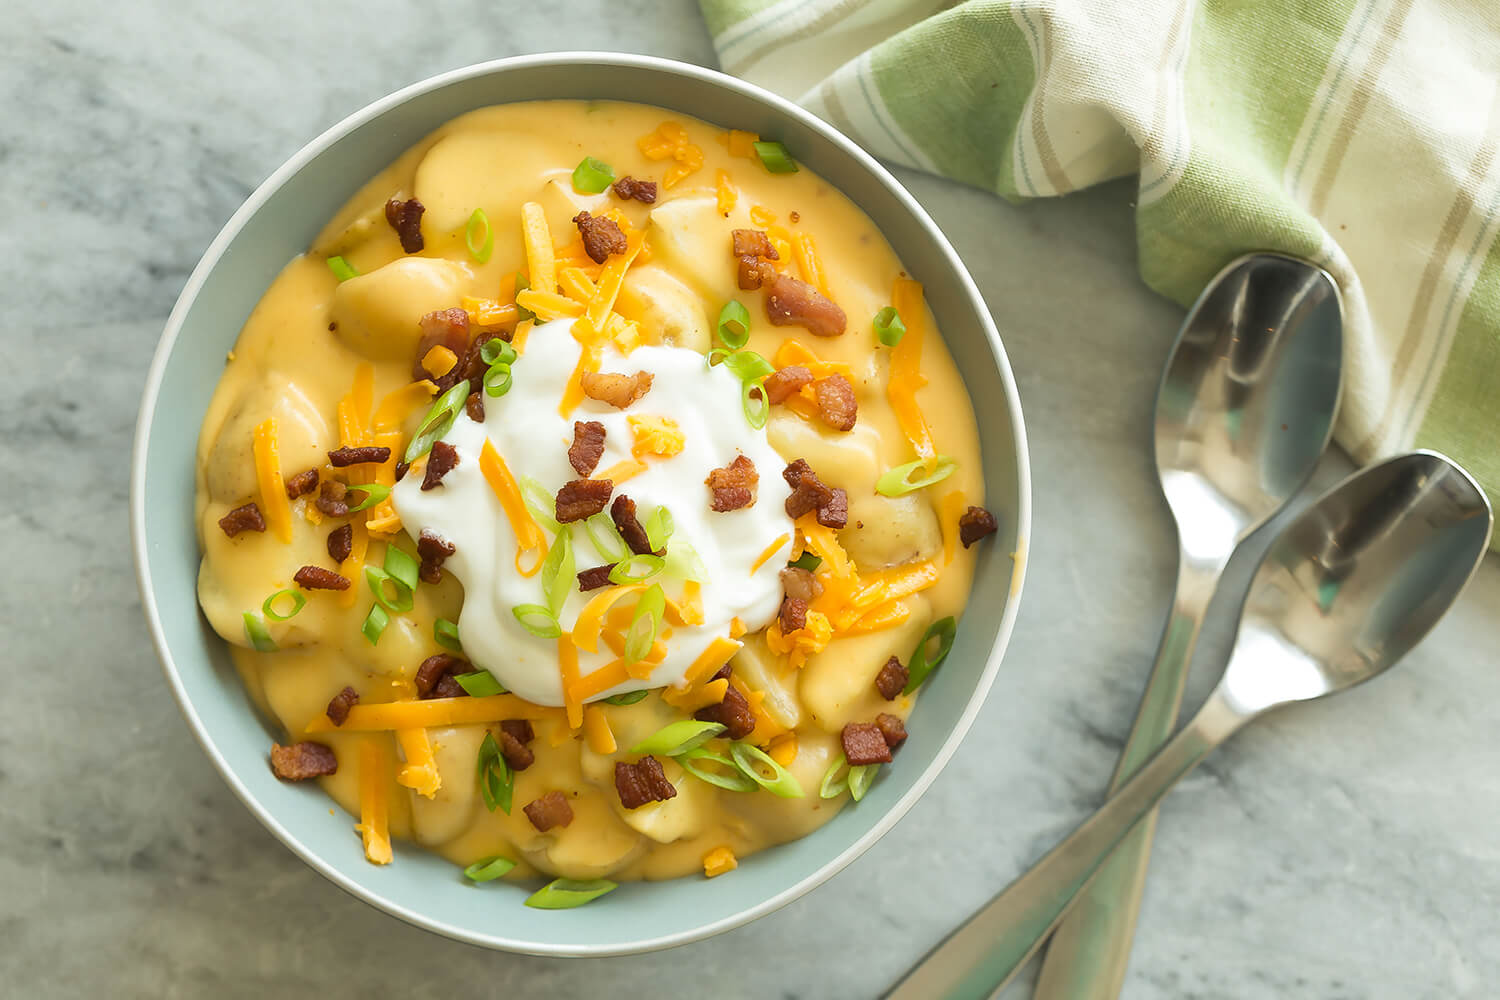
[{"x": 532, "y": 437}]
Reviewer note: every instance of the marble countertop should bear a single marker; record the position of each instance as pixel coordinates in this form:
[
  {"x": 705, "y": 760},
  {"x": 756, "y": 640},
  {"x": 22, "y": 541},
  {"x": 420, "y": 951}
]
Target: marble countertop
[{"x": 1337, "y": 850}]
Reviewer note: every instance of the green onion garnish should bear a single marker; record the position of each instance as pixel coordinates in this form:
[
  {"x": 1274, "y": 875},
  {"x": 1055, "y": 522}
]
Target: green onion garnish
[
  {"x": 480, "y": 683},
  {"x": 522, "y": 313},
  {"x": 683, "y": 561},
  {"x": 807, "y": 561},
  {"x": 444, "y": 411},
  {"x": 659, "y": 527},
  {"x": 606, "y": 538},
  {"x": 717, "y": 355},
  {"x": 566, "y": 893},
  {"x": 678, "y": 737},
  {"x": 645, "y": 623},
  {"x": 402, "y": 567},
  {"x": 757, "y": 407},
  {"x": 496, "y": 350},
  {"x": 445, "y": 634},
  {"x": 748, "y": 366},
  {"x": 635, "y": 568},
  {"x": 538, "y": 620},
  {"x": 540, "y": 503},
  {"x": 375, "y": 623},
  {"x": 255, "y": 631},
  {"x": 888, "y": 326},
  {"x": 480, "y": 247},
  {"x": 373, "y": 493},
  {"x": 497, "y": 380},
  {"x": 834, "y": 782},
  {"x": 628, "y": 698},
  {"x": 489, "y": 869},
  {"x": 342, "y": 269},
  {"x": 734, "y": 325},
  {"x": 403, "y": 600},
  {"x": 860, "y": 780},
  {"x": 269, "y": 604},
  {"x": 732, "y": 779},
  {"x": 592, "y": 176},
  {"x": 898, "y": 482},
  {"x": 775, "y": 158},
  {"x": 559, "y": 572},
  {"x": 920, "y": 664},
  {"x": 496, "y": 780},
  {"x": 750, "y": 759}
]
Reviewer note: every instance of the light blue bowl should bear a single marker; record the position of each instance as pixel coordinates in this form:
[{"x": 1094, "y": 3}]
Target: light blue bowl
[{"x": 277, "y": 222}]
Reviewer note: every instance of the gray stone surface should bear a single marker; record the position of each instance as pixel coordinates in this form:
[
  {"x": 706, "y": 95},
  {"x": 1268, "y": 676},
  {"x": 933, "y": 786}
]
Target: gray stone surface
[{"x": 1339, "y": 850}]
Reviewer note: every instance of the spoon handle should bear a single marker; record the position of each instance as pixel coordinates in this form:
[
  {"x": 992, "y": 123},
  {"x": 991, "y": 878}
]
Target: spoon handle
[{"x": 982, "y": 955}]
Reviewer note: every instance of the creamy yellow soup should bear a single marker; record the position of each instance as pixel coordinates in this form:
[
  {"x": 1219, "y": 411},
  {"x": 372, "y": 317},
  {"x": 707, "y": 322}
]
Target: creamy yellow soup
[{"x": 292, "y": 386}]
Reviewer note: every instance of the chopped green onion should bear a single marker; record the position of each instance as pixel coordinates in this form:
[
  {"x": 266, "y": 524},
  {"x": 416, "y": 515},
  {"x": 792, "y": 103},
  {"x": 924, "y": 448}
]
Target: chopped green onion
[
  {"x": 433, "y": 426},
  {"x": 659, "y": 527},
  {"x": 807, "y": 561},
  {"x": 342, "y": 269},
  {"x": 834, "y": 783},
  {"x": 734, "y": 325},
  {"x": 538, "y": 620},
  {"x": 496, "y": 349},
  {"x": 775, "y": 158},
  {"x": 489, "y": 869},
  {"x": 731, "y": 780},
  {"x": 683, "y": 561},
  {"x": 255, "y": 631},
  {"x": 377, "y": 578},
  {"x": 402, "y": 566},
  {"x": 748, "y": 366},
  {"x": 750, "y": 759},
  {"x": 920, "y": 664},
  {"x": 480, "y": 248},
  {"x": 678, "y": 737},
  {"x": 375, "y": 623},
  {"x": 566, "y": 893},
  {"x": 628, "y": 698},
  {"x": 496, "y": 780},
  {"x": 888, "y": 326},
  {"x": 898, "y": 482},
  {"x": 860, "y": 780},
  {"x": 480, "y": 683},
  {"x": 541, "y": 503},
  {"x": 559, "y": 572},
  {"x": 592, "y": 176},
  {"x": 373, "y": 493},
  {"x": 522, "y": 313},
  {"x": 497, "y": 380},
  {"x": 445, "y": 634},
  {"x": 606, "y": 538},
  {"x": 645, "y": 623},
  {"x": 269, "y": 604},
  {"x": 758, "y": 407},
  {"x": 636, "y": 568},
  {"x": 717, "y": 355}
]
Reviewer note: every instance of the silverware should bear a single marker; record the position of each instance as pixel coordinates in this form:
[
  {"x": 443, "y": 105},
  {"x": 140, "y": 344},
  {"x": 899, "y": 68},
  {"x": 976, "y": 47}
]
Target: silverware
[
  {"x": 1244, "y": 412},
  {"x": 1343, "y": 593}
]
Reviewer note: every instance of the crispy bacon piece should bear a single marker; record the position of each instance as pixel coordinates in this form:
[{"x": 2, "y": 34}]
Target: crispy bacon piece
[
  {"x": 434, "y": 550},
  {"x": 593, "y": 579},
  {"x": 514, "y": 735},
  {"x": 587, "y": 447},
  {"x": 733, "y": 713},
  {"x": 793, "y": 302},
  {"x": 402, "y": 468},
  {"x": 799, "y": 583},
  {"x": 752, "y": 273},
  {"x": 622, "y": 512},
  {"x": 520, "y": 729},
  {"x": 302, "y": 484},
  {"x": 301, "y": 761},
  {"x": 581, "y": 498},
  {"x": 447, "y": 687},
  {"x": 331, "y": 498},
  {"x": 892, "y": 729},
  {"x": 318, "y": 578},
  {"x": 864, "y": 743},
  {"x": 601, "y": 236},
  {"x": 793, "y": 614},
  {"x": 405, "y": 218},
  {"x": 751, "y": 249},
  {"x": 341, "y": 543},
  {"x": 442, "y": 460},
  {"x": 246, "y": 517},
  {"x": 548, "y": 811},
  {"x": 892, "y": 679},
  {"x": 341, "y": 458},
  {"x": 837, "y": 406},
  {"x": 975, "y": 524},
  {"x": 835, "y": 513},
  {"x": 339, "y": 705},
  {"x": 808, "y": 491},
  {"x": 474, "y": 407},
  {"x": 642, "y": 191},
  {"x": 617, "y": 390},
  {"x": 444, "y": 328},
  {"x": 733, "y": 486},
  {"x": 642, "y": 782},
  {"x": 435, "y": 668},
  {"x": 786, "y": 382}
]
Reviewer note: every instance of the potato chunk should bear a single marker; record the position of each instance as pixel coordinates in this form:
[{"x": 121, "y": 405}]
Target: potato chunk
[{"x": 377, "y": 314}]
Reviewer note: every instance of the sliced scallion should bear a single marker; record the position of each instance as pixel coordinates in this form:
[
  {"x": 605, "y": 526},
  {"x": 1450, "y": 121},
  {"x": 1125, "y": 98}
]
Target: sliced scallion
[
  {"x": 659, "y": 526},
  {"x": 751, "y": 760},
  {"x": 628, "y": 698},
  {"x": 860, "y": 780},
  {"x": 489, "y": 869},
  {"x": 342, "y": 269},
  {"x": 480, "y": 683},
  {"x": 645, "y": 624},
  {"x": 522, "y": 313},
  {"x": 734, "y": 325},
  {"x": 775, "y": 158},
  {"x": 268, "y": 606},
  {"x": 402, "y": 566},
  {"x": 888, "y": 326},
  {"x": 445, "y": 634},
  {"x": 538, "y": 620},
  {"x": 403, "y": 600},
  {"x": 731, "y": 779},
  {"x": 375, "y": 623},
  {"x": 592, "y": 176},
  {"x": 678, "y": 737},
  {"x": 439, "y": 419},
  {"x": 683, "y": 561},
  {"x": 898, "y": 482},
  {"x": 496, "y": 780},
  {"x": 635, "y": 568},
  {"x": 496, "y": 350},
  {"x": 497, "y": 380},
  {"x": 755, "y": 404},
  {"x": 566, "y": 893},
  {"x": 373, "y": 493},
  {"x": 255, "y": 631},
  {"x": 479, "y": 237},
  {"x": 921, "y": 664},
  {"x": 835, "y": 779},
  {"x": 606, "y": 538},
  {"x": 540, "y": 503},
  {"x": 807, "y": 561},
  {"x": 559, "y": 572},
  {"x": 748, "y": 366}
]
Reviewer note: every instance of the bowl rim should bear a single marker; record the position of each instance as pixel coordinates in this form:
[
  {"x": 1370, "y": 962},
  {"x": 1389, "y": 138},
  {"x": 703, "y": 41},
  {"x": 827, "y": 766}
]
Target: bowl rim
[{"x": 211, "y": 259}]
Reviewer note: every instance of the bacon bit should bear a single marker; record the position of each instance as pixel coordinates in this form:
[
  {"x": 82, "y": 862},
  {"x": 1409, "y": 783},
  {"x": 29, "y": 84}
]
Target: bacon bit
[
  {"x": 302, "y": 484},
  {"x": 581, "y": 498},
  {"x": 444, "y": 328},
  {"x": 642, "y": 782},
  {"x": 474, "y": 407},
  {"x": 342, "y": 458},
  {"x": 402, "y": 468},
  {"x": 520, "y": 729},
  {"x": 795, "y": 217},
  {"x": 447, "y": 687},
  {"x": 808, "y": 491},
  {"x": 618, "y": 391},
  {"x": 587, "y": 448},
  {"x": 301, "y": 761},
  {"x": 733, "y": 713},
  {"x": 444, "y": 459},
  {"x": 864, "y": 743},
  {"x": 548, "y": 811},
  {"x": 434, "y": 550},
  {"x": 643, "y": 191},
  {"x": 318, "y": 578},
  {"x": 405, "y": 218},
  {"x": 837, "y": 406},
  {"x": 752, "y": 273},
  {"x": 341, "y": 543},
  {"x": 622, "y": 512},
  {"x": 514, "y": 735},
  {"x": 434, "y": 669},
  {"x": 892, "y": 729},
  {"x": 781, "y": 384},
  {"x": 892, "y": 679},
  {"x": 793, "y": 615},
  {"x": 752, "y": 248},
  {"x": 793, "y": 302},
  {"x": 246, "y": 517},
  {"x": 593, "y": 579},
  {"x": 975, "y": 524},
  {"x": 338, "y": 707},
  {"x": 733, "y": 486},
  {"x": 801, "y": 584},
  {"x": 835, "y": 513},
  {"x": 601, "y": 236},
  {"x": 331, "y": 498}
]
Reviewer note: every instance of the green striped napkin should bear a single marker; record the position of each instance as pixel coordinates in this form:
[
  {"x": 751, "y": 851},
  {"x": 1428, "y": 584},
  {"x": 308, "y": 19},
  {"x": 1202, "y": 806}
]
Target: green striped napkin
[{"x": 1361, "y": 134}]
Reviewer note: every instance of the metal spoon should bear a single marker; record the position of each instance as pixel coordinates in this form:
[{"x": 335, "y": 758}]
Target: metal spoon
[
  {"x": 1350, "y": 585},
  {"x": 1244, "y": 412}
]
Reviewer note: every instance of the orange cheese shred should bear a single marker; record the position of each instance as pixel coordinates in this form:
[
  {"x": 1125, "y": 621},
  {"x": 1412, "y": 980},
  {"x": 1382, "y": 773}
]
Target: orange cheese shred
[
  {"x": 794, "y": 352},
  {"x": 718, "y": 861},
  {"x": 610, "y": 280},
  {"x": 725, "y": 196},
  {"x": 950, "y": 508},
  {"x": 529, "y": 537},
  {"x": 711, "y": 659},
  {"x": 906, "y": 370},
  {"x": 690, "y": 699},
  {"x": 591, "y": 619},
  {"x": 805, "y": 252},
  {"x": 354, "y": 409},
  {"x": 601, "y": 739},
  {"x": 576, "y": 284},
  {"x": 549, "y": 305},
  {"x": 434, "y": 712},
  {"x": 588, "y": 361},
  {"x": 885, "y": 616},
  {"x": 689, "y": 610},
  {"x": 741, "y": 144},
  {"x": 537, "y": 236},
  {"x": 398, "y": 405},
  {"x": 523, "y": 331},
  {"x": 374, "y": 801},
  {"x": 273, "y": 500},
  {"x": 567, "y": 666},
  {"x": 783, "y": 749},
  {"x": 420, "y": 772},
  {"x": 622, "y": 470},
  {"x": 769, "y": 551},
  {"x": 612, "y": 674}
]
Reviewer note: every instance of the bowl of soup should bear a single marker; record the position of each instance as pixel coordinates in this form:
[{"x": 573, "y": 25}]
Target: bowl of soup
[{"x": 580, "y": 502}]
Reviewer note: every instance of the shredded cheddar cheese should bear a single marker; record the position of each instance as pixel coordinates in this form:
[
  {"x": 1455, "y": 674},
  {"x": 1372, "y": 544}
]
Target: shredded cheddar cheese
[
  {"x": 420, "y": 772},
  {"x": 353, "y": 567},
  {"x": 621, "y": 471},
  {"x": 374, "y": 801},
  {"x": 601, "y": 739},
  {"x": 610, "y": 280},
  {"x": 273, "y": 500},
  {"x": 783, "y": 749},
  {"x": 688, "y": 610},
  {"x": 718, "y": 861},
  {"x": 950, "y": 508},
  {"x": 725, "y": 195},
  {"x": 612, "y": 674},
  {"x": 588, "y": 361},
  {"x": 654, "y": 435},
  {"x": 906, "y": 370},
  {"x": 741, "y": 144},
  {"x": 591, "y": 619},
  {"x": 711, "y": 659},
  {"x": 529, "y": 536},
  {"x": 489, "y": 312},
  {"x": 670, "y": 141},
  {"x": 382, "y": 518},
  {"x": 805, "y": 252},
  {"x": 354, "y": 409},
  {"x": 761, "y": 215},
  {"x": 769, "y": 551},
  {"x": 537, "y": 237},
  {"x": 794, "y": 352},
  {"x": 439, "y": 360},
  {"x": 518, "y": 339},
  {"x": 576, "y": 284},
  {"x": 736, "y": 627},
  {"x": 549, "y": 305},
  {"x": 690, "y": 699},
  {"x": 432, "y": 713},
  {"x": 806, "y": 641},
  {"x": 398, "y": 405},
  {"x": 567, "y": 666}
]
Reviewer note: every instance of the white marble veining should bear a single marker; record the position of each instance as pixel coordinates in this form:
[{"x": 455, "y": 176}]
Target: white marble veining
[{"x": 1340, "y": 850}]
